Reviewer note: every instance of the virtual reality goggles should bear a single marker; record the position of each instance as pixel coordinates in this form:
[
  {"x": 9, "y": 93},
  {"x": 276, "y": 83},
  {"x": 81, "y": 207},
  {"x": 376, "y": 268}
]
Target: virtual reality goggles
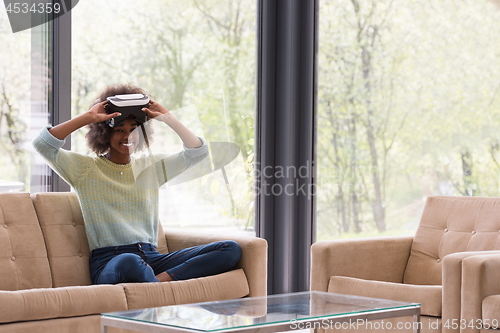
[{"x": 129, "y": 106}]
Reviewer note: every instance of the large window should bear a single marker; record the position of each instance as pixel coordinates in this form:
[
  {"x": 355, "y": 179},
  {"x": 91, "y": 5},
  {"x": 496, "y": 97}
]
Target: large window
[
  {"x": 409, "y": 100},
  {"x": 197, "y": 58},
  {"x": 24, "y": 104}
]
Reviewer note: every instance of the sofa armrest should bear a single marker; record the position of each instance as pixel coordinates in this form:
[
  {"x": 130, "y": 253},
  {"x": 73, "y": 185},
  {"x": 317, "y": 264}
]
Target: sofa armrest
[
  {"x": 452, "y": 285},
  {"x": 49, "y": 303},
  {"x": 253, "y": 254},
  {"x": 380, "y": 259},
  {"x": 479, "y": 279}
]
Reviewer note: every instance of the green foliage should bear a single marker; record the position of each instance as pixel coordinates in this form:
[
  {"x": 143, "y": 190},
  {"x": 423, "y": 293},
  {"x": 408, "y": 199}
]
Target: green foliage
[
  {"x": 408, "y": 107},
  {"x": 409, "y": 97},
  {"x": 15, "y": 103}
]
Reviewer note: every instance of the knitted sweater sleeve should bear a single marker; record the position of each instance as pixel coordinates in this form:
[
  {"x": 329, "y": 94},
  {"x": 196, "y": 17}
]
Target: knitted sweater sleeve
[
  {"x": 170, "y": 166},
  {"x": 69, "y": 165}
]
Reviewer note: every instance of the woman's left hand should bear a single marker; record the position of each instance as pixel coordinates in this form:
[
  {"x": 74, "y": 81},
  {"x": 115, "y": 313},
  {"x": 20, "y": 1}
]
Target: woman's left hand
[{"x": 155, "y": 109}]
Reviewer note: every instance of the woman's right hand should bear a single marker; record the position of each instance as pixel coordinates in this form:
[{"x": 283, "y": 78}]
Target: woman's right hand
[{"x": 98, "y": 113}]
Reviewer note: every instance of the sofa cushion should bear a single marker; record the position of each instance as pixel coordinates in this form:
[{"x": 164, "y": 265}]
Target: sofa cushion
[
  {"x": 35, "y": 304},
  {"x": 428, "y": 296},
  {"x": 491, "y": 310},
  {"x": 23, "y": 259},
  {"x": 229, "y": 285},
  {"x": 68, "y": 250},
  {"x": 449, "y": 225},
  {"x": 83, "y": 324}
]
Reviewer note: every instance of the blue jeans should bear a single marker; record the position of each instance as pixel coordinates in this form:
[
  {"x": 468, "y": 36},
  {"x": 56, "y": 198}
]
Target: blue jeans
[{"x": 141, "y": 262}]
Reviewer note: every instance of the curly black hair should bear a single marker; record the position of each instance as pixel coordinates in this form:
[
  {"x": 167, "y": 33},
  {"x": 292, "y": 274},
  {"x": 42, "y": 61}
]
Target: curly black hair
[{"x": 99, "y": 134}]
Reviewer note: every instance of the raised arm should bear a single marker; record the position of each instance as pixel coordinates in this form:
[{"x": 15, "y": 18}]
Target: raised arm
[
  {"x": 96, "y": 114},
  {"x": 188, "y": 138}
]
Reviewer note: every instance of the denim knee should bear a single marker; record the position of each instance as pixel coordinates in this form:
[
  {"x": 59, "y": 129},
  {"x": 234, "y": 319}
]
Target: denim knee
[
  {"x": 234, "y": 252},
  {"x": 130, "y": 267}
]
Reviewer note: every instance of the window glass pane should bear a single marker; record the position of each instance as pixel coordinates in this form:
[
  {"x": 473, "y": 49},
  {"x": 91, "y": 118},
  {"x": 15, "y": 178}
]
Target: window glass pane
[
  {"x": 409, "y": 99},
  {"x": 197, "y": 58},
  {"x": 24, "y": 91}
]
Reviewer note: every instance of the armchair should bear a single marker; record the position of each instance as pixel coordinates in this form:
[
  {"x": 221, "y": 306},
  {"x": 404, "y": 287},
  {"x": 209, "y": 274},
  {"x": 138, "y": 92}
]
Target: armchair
[{"x": 451, "y": 266}]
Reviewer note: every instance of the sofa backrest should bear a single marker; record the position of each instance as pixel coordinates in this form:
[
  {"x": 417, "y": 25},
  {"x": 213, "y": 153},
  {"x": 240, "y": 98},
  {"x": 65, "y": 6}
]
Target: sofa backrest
[
  {"x": 162, "y": 241},
  {"x": 62, "y": 225},
  {"x": 448, "y": 225},
  {"x": 23, "y": 258},
  {"x": 63, "y": 228}
]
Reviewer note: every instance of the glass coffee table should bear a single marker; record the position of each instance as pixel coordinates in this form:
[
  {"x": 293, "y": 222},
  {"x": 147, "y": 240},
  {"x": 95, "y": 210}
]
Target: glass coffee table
[{"x": 275, "y": 313}]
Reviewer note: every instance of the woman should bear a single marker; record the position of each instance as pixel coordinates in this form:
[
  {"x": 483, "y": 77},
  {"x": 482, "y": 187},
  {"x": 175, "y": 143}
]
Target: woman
[{"x": 121, "y": 217}]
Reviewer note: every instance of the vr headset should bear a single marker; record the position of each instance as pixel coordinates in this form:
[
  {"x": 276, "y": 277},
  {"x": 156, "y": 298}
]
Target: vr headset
[{"x": 129, "y": 106}]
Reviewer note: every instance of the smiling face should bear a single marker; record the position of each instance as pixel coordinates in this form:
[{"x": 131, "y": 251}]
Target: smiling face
[{"x": 123, "y": 142}]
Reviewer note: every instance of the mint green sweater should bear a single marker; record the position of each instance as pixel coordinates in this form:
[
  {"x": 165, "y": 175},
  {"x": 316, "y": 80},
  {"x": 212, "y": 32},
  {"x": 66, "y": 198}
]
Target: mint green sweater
[{"x": 119, "y": 202}]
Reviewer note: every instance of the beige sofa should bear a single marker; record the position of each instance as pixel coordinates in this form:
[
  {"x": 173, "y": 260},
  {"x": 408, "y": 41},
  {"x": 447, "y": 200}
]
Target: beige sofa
[
  {"x": 440, "y": 267},
  {"x": 45, "y": 283}
]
